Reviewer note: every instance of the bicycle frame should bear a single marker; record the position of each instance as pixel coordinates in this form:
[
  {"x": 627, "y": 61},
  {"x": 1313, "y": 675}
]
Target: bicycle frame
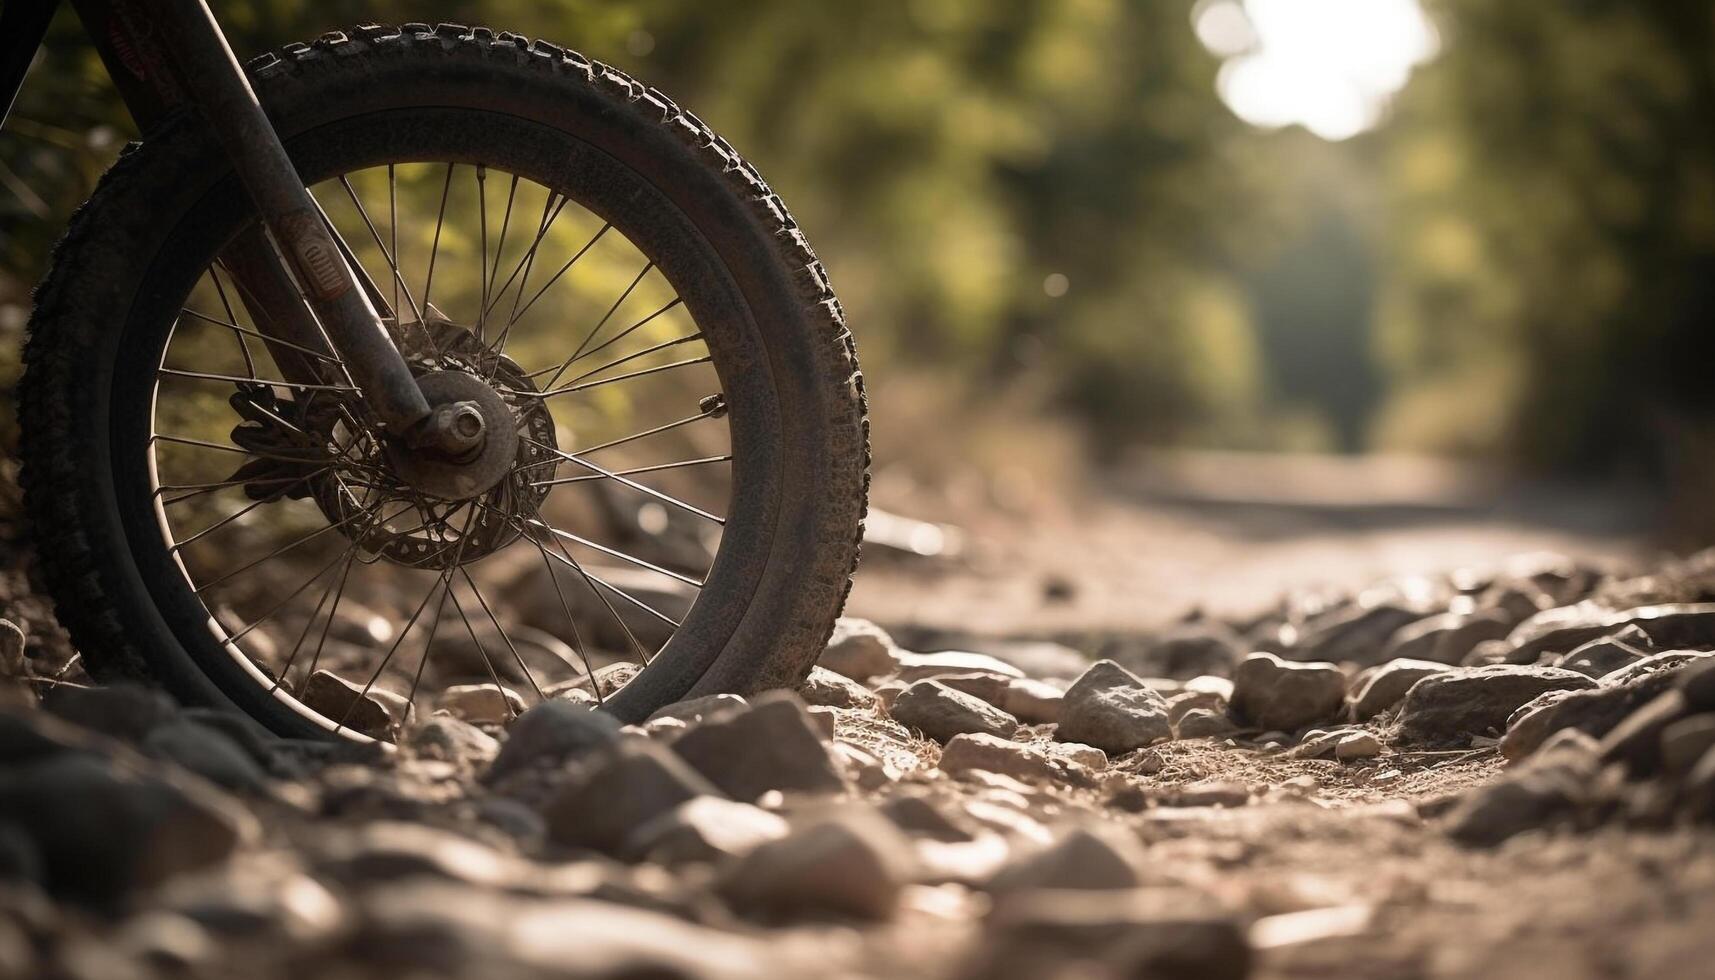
[{"x": 299, "y": 281}]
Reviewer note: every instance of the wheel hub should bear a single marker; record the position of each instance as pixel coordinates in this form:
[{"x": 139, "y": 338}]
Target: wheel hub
[{"x": 475, "y": 412}]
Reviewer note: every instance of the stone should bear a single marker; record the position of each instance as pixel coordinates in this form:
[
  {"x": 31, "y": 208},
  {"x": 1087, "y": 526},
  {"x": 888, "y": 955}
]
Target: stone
[
  {"x": 1035, "y": 658},
  {"x": 604, "y": 680},
  {"x": 1449, "y": 709},
  {"x": 1087, "y": 756},
  {"x": 1084, "y": 859},
  {"x": 123, "y": 711},
  {"x": 102, "y": 827},
  {"x": 704, "y": 829},
  {"x": 696, "y": 709},
  {"x": 1606, "y": 654},
  {"x": 920, "y": 816},
  {"x": 14, "y": 662},
  {"x": 1636, "y": 741},
  {"x": 447, "y": 739},
  {"x": 208, "y": 752},
  {"x": 1188, "y": 650},
  {"x": 1357, "y": 745},
  {"x": 1179, "y": 704},
  {"x": 1684, "y": 742},
  {"x": 849, "y": 863},
  {"x": 1378, "y": 688},
  {"x": 1358, "y": 633},
  {"x": 771, "y": 745},
  {"x": 332, "y": 696},
  {"x": 1594, "y": 711},
  {"x": 991, "y": 753},
  {"x": 926, "y": 666},
  {"x": 1272, "y": 693},
  {"x": 1446, "y": 638},
  {"x": 1667, "y": 662},
  {"x": 1154, "y": 932},
  {"x": 940, "y": 712},
  {"x": 620, "y": 788},
  {"x": 481, "y": 704},
  {"x": 859, "y": 649},
  {"x": 551, "y": 733},
  {"x": 1697, "y": 680},
  {"x": 1112, "y": 709},
  {"x": 1536, "y": 794},
  {"x": 1204, "y": 723},
  {"x": 1031, "y": 701},
  {"x": 1210, "y": 792},
  {"x": 387, "y": 850},
  {"x": 825, "y": 687},
  {"x": 1565, "y": 628}
]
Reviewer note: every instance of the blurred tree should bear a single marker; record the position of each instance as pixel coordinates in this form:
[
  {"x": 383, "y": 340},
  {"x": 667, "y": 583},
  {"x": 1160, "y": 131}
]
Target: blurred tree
[{"x": 1551, "y": 273}]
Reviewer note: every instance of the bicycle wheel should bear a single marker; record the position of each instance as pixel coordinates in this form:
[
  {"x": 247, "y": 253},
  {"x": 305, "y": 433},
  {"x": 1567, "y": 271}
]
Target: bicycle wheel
[{"x": 677, "y": 514}]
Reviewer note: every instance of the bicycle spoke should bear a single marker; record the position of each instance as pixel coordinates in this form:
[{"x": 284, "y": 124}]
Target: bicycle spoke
[
  {"x": 502, "y": 630},
  {"x": 246, "y": 331},
  {"x": 658, "y": 467},
  {"x": 624, "y": 627},
  {"x": 576, "y": 357},
  {"x": 602, "y": 322},
  {"x": 645, "y": 352},
  {"x": 234, "y": 379},
  {"x": 665, "y": 498},
  {"x": 514, "y": 318},
  {"x": 571, "y": 621},
  {"x": 243, "y": 347},
  {"x": 375, "y": 235},
  {"x": 228, "y": 519},
  {"x": 435, "y": 247}
]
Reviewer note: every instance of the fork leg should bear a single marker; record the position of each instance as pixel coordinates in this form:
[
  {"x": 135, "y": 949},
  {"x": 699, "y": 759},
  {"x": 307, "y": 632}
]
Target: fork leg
[{"x": 217, "y": 85}]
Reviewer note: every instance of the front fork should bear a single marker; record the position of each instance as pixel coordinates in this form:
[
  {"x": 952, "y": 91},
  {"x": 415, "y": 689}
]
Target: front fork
[{"x": 298, "y": 280}]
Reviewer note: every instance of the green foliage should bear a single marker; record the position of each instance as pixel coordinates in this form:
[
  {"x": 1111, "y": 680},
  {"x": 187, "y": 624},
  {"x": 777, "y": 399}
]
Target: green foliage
[{"x": 1551, "y": 273}]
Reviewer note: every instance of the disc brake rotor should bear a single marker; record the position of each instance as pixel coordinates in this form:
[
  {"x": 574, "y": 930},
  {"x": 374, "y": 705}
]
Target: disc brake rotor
[{"x": 313, "y": 445}]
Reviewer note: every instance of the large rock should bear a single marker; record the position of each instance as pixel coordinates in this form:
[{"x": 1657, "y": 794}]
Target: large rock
[
  {"x": 1379, "y": 688},
  {"x": 1606, "y": 654},
  {"x": 1636, "y": 742},
  {"x": 1153, "y": 932},
  {"x": 771, "y": 745},
  {"x": 1187, "y": 650},
  {"x": 859, "y": 649},
  {"x": 1563, "y": 629},
  {"x": 102, "y": 825},
  {"x": 123, "y": 711},
  {"x": 349, "y": 704},
  {"x": 482, "y": 704},
  {"x": 850, "y": 863},
  {"x": 551, "y": 733},
  {"x": 925, "y": 666},
  {"x": 705, "y": 829},
  {"x": 1280, "y": 695},
  {"x": 1357, "y": 633},
  {"x": 1538, "y": 793},
  {"x": 1032, "y": 701},
  {"x": 940, "y": 712},
  {"x": 447, "y": 739},
  {"x": 208, "y": 752},
  {"x": 622, "y": 787},
  {"x": 1594, "y": 711},
  {"x": 1448, "y": 637},
  {"x": 991, "y": 753},
  {"x": 825, "y": 687},
  {"x": 1084, "y": 859},
  {"x": 1111, "y": 708},
  {"x": 1448, "y": 709}
]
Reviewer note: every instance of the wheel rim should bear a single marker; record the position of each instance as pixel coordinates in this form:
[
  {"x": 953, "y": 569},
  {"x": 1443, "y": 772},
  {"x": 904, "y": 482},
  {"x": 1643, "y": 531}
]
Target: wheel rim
[{"x": 637, "y": 347}]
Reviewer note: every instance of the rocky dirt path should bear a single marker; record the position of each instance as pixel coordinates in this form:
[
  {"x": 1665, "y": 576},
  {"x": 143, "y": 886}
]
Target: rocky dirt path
[{"x": 1493, "y": 773}]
